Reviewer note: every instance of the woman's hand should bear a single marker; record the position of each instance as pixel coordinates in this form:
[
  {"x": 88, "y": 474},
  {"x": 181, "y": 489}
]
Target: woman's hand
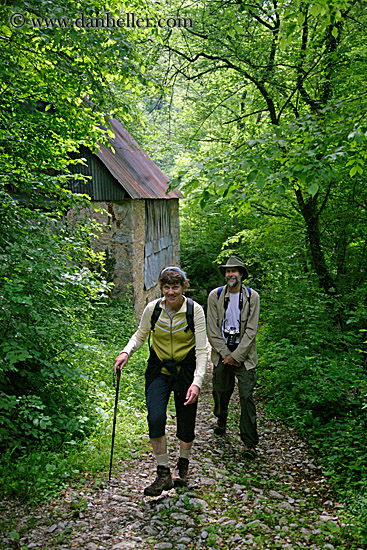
[
  {"x": 121, "y": 361},
  {"x": 192, "y": 394}
]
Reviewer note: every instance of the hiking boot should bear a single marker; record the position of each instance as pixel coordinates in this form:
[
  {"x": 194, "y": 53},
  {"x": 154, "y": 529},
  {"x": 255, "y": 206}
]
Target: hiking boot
[
  {"x": 163, "y": 482},
  {"x": 180, "y": 477},
  {"x": 220, "y": 428},
  {"x": 250, "y": 452}
]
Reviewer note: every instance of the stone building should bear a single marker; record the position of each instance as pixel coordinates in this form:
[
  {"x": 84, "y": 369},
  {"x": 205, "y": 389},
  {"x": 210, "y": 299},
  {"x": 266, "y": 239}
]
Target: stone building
[{"x": 140, "y": 221}]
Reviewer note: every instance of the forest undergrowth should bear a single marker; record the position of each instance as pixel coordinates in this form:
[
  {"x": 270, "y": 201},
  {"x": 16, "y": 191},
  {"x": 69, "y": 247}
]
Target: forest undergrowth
[{"x": 44, "y": 473}]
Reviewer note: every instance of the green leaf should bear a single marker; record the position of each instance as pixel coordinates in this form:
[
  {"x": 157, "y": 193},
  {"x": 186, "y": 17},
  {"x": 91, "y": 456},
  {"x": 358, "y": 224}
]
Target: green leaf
[
  {"x": 300, "y": 19},
  {"x": 252, "y": 175},
  {"x": 315, "y": 9},
  {"x": 290, "y": 29},
  {"x": 313, "y": 189},
  {"x": 332, "y": 527},
  {"x": 194, "y": 183}
]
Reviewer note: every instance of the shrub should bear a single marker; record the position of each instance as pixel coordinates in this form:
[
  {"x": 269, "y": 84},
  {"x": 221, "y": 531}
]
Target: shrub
[
  {"x": 47, "y": 296},
  {"x": 312, "y": 376}
]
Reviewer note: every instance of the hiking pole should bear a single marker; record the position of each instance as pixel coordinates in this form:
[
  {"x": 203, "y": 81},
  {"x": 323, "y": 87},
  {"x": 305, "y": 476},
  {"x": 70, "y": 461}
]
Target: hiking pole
[{"x": 118, "y": 374}]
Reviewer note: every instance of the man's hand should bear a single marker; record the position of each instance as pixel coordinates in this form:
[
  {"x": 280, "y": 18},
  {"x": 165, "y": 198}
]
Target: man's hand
[
  {"x": 192, "y": 394},
  {"x": 228, "y": 360},
  {"x": 121, "y": 361}
]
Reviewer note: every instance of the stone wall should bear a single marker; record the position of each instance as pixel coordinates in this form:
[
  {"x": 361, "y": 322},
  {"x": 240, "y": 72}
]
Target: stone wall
[{"x": 138, "y": 257}]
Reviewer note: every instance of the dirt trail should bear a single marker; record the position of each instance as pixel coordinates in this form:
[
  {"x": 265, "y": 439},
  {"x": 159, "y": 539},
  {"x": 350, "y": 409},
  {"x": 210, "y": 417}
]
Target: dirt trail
[{"x": 280, "y": 500}]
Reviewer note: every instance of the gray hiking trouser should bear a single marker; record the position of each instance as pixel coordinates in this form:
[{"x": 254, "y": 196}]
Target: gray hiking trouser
[{"x": 223, "y": 386}]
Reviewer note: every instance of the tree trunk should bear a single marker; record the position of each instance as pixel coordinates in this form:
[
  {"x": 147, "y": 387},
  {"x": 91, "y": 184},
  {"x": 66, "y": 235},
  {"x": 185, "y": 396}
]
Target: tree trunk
[{"x": 310, "y": 215}]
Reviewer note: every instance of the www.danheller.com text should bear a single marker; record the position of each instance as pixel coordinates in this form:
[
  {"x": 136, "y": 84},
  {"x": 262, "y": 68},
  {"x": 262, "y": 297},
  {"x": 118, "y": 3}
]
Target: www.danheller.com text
[{"x": 128, "y": 20}]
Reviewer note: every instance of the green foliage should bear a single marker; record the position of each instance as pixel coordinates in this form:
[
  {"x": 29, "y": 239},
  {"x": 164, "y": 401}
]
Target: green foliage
[
  {"x": 113, "y": 321},
  {"x": 276, "y": 122},
  {"x": 112, "y": 325},
  {"x": 357, "y": 504},
  {"x": 312, "y": 369},
  {"x": 312, "y": 376},
  {"x": 39, "y": 471},
  {"x": 55, "y": 93},
  {"x": 202, "y": 234},
  {"x": 46, "y": 299}
]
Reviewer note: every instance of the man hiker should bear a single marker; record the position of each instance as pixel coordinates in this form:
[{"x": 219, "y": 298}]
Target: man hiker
[
  {"x": 177, "y": 362},
  {"x": 232, "y": 319}
]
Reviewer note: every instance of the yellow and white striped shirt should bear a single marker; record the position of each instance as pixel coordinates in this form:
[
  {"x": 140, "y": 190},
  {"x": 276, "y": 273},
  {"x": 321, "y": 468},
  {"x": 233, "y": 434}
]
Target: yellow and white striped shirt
[{"x": 169, "y": 339}]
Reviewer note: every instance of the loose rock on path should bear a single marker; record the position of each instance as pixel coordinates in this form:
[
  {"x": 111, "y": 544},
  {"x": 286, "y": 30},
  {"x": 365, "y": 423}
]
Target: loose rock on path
[{"x": 280, "y": 500}]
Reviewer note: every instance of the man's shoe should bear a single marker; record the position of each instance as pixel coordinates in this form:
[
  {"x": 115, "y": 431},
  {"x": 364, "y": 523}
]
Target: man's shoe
[
  {"x": 163, "y": 482},
  {"x": 220, "y": 428},
  {"x": 181, "y": 475},
  {"x": 250, "y": 451}
]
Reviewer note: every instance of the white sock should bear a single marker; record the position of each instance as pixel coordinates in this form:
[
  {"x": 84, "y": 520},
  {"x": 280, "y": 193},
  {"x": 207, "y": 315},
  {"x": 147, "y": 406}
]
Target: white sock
[{"x": 162, "y": 460}]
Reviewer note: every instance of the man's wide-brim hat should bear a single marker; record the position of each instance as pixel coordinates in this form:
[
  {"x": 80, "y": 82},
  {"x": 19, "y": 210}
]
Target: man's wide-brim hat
[{"x": 233, "y": 261}]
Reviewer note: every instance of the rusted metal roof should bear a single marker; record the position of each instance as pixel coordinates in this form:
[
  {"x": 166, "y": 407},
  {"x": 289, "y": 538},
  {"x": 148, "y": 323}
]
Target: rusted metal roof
[{"x": 135, "y": 171}]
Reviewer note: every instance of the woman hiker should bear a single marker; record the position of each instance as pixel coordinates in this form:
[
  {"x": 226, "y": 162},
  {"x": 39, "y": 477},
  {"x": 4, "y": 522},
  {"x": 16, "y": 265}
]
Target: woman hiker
[{"x": 177, "y": 362}]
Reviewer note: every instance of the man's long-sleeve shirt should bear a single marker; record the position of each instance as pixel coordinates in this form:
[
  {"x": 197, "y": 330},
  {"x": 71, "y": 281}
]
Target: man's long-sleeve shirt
[{"x": 246, "y": 351}]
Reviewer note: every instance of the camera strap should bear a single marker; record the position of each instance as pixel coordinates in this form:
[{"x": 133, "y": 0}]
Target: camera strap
[
  {"x": 240, "y": 302},
  {"x": 226, "y": 299},
  {"x": 240, "y": 306}
]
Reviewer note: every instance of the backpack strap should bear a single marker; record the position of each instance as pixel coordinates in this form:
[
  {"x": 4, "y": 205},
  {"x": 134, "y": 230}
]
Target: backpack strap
[
  {"x": 249, "y": 298},
  {"x": 226, "y": 298},
  {"x": 190, "y": 315},
  {"x": 219, "y": 291},
  {"x": 155, "y": 315}
]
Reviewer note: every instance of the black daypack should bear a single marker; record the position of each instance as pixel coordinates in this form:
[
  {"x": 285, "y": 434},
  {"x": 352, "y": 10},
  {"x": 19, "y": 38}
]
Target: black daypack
[{"x": 189, "y": 315}]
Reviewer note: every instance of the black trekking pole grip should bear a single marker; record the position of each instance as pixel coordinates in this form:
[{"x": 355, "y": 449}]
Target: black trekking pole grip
[{"x": 118, "y": 375}]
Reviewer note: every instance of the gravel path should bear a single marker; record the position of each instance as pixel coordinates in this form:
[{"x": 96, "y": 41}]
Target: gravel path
[{"x": 280, "y": 500}]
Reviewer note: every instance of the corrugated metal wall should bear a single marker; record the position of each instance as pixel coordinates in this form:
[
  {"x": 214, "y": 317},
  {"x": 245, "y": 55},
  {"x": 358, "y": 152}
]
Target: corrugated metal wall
[
  {"x": 158, "y": 239},
  {"x": 103, "y": 186}
]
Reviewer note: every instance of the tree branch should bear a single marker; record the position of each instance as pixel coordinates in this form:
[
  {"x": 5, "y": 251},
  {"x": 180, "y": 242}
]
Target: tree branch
[
  {"x": 228, "y": 64},
  {"x": 244, "y": 116}
]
